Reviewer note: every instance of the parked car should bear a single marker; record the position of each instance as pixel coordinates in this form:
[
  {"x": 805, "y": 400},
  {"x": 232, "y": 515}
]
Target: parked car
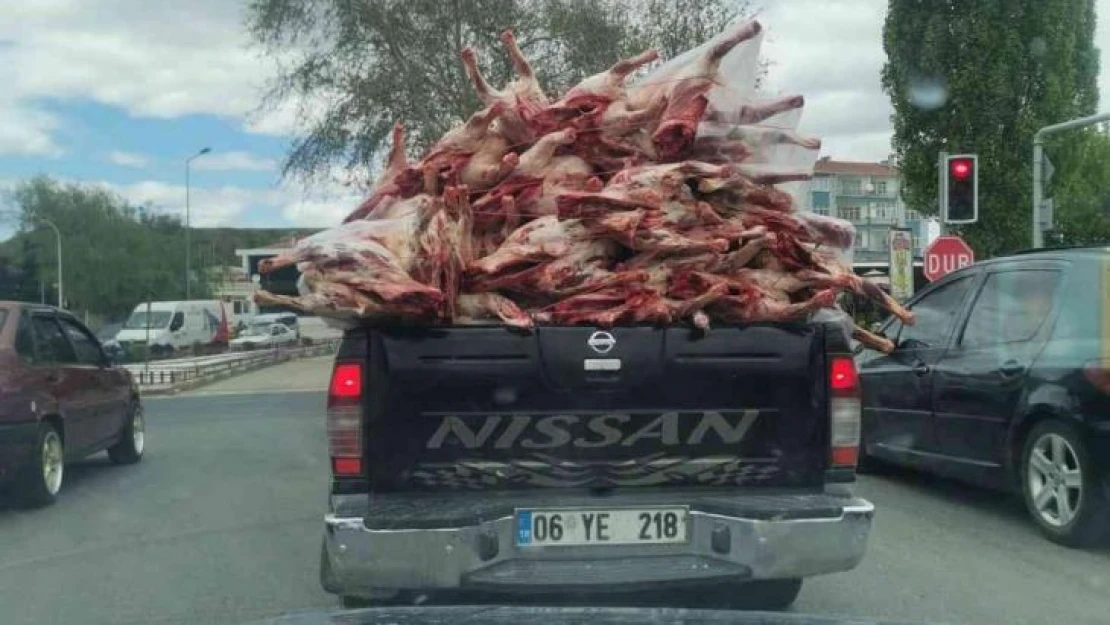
[
  {"x": 270, "y": 335},
  {"x": 61, "y": 399},
  {"x": 288, "y": 319},
  {"x": 1004, "y": 381}
]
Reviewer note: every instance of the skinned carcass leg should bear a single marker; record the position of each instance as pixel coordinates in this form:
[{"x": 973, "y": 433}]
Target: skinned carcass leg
[
  {"x": 836, "y": 277},
  {"x": 686, "y": 96},
  {"x": 391, "y": 182}
]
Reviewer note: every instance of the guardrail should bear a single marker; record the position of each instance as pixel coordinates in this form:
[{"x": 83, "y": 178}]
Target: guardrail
[{"x": 181, "y": 373}]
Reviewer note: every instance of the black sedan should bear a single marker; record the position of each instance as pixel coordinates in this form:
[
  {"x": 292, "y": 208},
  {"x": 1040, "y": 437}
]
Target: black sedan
[{"x": 1004, "y": 381}]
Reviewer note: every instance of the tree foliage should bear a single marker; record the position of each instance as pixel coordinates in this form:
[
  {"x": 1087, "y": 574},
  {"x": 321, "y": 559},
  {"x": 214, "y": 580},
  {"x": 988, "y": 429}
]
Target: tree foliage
[
  {"x": 1081, "y": 189},
  {"x": 115, "y": 254},
  {"x": 981, "y": 77},
  {"x": 359, "y": 65}
]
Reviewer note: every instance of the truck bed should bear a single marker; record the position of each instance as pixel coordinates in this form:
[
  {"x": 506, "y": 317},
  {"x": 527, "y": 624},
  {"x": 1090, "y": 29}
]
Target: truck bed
[{"x": 586, "y": 410}]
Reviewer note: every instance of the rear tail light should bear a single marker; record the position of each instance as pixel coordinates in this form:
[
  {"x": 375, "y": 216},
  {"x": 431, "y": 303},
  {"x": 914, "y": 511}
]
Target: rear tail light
[
  {"x": 844, "y": 409},
  {"x": 1098, "y": 373},
  {"x": 345, "y": 419}
]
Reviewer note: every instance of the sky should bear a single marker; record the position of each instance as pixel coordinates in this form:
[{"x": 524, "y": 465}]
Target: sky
[{"x": 120, "y": 92}]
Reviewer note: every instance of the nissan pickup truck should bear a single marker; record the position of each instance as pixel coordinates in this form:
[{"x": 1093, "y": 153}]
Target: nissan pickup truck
[{"x": 584, "y": 460}]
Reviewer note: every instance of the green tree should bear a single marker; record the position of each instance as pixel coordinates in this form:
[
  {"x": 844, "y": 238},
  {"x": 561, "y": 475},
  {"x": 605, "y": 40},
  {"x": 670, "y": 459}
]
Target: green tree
[
  {"x": 981, "y": 77},
  {"x": 1081, "y": 189},
  {"x": 114, "y": 255},
  {"x": 370, "y": 63}
]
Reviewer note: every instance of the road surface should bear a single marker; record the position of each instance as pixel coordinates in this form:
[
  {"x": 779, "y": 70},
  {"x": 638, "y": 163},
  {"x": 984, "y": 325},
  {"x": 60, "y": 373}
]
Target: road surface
[{"x": 221, "y": 524}]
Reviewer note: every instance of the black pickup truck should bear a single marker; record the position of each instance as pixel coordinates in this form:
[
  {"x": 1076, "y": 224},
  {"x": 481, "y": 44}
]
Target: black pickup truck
[{"x": 579, "y": 460}]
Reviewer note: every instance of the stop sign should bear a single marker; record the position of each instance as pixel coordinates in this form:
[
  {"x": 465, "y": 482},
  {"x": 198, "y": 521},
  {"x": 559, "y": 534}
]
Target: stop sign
[{"x": 945, "y": 255}]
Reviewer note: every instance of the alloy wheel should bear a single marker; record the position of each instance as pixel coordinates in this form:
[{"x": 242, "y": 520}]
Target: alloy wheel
[
  {"x": 53, "y": 463},
  {"x": 1055, "y": 479}
]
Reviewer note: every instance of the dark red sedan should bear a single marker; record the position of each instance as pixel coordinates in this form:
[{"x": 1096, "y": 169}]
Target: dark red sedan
[{"x": 61, "y": 399}]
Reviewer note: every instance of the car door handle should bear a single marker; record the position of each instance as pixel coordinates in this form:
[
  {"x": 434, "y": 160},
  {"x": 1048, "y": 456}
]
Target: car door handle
[
  {"x": 1011, "y": 367},
  {"x": 921, "y": 368}
]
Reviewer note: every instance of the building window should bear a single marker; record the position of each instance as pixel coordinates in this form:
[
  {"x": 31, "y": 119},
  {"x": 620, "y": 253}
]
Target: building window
[
  {"x": 851, "y": 213},
  {"x": 880, "y": 187},
  {"x": 851, "y": 186},
  {"x": 820, "y": 200}
]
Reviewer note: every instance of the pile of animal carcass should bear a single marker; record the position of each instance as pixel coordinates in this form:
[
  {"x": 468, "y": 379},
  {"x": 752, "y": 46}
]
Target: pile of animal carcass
[{"x": 647, "y": 204}]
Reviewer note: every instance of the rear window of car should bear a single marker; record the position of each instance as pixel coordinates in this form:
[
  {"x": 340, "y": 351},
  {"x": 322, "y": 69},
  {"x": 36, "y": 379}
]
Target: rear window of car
[{"x": 1085, "y": 307}]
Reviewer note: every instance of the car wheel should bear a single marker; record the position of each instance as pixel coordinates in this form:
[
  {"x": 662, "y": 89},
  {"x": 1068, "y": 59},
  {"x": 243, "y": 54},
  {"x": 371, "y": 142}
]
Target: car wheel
[
  {"x": 132, "y": 443},
  {"x": 39, "y": 482},
  {"x": 1061, "y": 488}
]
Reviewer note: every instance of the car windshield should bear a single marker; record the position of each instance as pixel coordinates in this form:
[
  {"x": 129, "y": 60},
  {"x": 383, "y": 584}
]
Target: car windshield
[
  {"x": 139, "y": 320},
  {"x": 770, "y": 306}
]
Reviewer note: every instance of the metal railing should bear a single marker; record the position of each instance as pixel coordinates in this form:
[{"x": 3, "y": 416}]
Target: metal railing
[{"x": 169, "y": 374}]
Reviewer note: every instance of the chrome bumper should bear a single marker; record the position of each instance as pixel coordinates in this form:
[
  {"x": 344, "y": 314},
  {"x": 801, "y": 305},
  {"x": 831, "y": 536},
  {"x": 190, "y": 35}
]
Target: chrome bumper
[{"x": 358, "y": 561}]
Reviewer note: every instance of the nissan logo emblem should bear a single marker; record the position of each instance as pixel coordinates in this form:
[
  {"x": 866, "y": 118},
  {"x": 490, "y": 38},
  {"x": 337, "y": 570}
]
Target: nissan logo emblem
[{"x": 602, "y": 342}]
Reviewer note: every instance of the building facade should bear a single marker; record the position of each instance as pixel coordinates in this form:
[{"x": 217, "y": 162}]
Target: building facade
[
  {"x": 280, "y": 282},
  {"x": 869, "y": 196}
]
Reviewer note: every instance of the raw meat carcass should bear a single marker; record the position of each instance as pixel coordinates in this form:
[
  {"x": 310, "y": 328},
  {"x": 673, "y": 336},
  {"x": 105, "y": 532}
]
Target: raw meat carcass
[
  {"x": 479, "y": 307},
  {"x": 523, "y": 99},
  {"x": 873, "y": 341},
  {"x": 392, "y": 183},
  {"x": 686, "y": 96},
  {"x": 654, "y": 203}
]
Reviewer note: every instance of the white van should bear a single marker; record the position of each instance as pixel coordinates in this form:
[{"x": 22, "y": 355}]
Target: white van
[{"x": 175, "y": 326}]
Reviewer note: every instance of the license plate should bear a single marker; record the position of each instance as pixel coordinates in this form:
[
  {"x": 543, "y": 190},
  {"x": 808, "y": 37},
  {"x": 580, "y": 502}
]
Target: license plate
[{"x": 615, "y": 526}]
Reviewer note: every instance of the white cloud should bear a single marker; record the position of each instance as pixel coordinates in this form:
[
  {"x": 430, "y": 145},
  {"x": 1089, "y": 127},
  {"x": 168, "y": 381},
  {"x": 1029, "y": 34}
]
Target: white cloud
[
  {"x": 128, "y": 159},
  {"x": 322, "y": 206},
  {"x": 25, "y": 131},
  {"x": 831, "y": 51},
  {"x": 151, "y": 59},
  {"x": 220, "y": 206},
  {"x": 234, "y": 161}
]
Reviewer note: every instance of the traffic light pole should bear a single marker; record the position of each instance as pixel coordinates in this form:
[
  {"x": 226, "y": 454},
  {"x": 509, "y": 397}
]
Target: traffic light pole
[
  {"x": 1038, "y": 165},
  {"x": 942, "y": 189}
]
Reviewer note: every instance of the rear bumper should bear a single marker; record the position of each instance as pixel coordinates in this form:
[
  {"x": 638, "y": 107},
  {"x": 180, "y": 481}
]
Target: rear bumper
[{"x": 810, "y": 535}]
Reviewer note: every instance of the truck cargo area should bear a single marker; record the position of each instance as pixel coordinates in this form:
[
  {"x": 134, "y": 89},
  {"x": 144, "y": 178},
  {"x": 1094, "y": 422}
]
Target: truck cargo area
[{"x": 580, "y": 408}]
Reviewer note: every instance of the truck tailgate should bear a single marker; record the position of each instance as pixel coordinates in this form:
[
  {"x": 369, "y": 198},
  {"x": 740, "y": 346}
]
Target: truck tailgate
[{"x": 567, "y": 407}]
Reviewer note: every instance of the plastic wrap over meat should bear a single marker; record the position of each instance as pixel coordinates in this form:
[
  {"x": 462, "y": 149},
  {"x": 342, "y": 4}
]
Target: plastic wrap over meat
[{"x": 668, "y": 200}]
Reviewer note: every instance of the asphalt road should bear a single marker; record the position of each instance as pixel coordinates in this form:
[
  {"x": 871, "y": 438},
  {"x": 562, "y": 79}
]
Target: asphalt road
[{"x": 221, "y": 524}]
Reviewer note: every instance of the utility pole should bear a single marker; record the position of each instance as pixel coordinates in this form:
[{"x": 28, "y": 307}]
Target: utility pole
[
  {"x": 188, "y": 242},
  {"x": 58, "y": 235},
  {"x": 942, "y": 189},
  {"x": 1039, "y": 162}
]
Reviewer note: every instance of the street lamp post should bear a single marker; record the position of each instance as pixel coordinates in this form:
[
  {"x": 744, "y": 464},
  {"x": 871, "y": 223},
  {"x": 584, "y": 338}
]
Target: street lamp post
[
  {"x": 188, "y": 242},
  {"x": 58, "y": 235}
]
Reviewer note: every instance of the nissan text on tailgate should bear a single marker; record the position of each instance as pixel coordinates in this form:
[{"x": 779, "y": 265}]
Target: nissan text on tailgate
[{"x": 574, "y": 459}]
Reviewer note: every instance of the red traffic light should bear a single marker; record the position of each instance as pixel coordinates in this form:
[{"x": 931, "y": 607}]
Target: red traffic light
[{"x": 961, "y": 168}]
